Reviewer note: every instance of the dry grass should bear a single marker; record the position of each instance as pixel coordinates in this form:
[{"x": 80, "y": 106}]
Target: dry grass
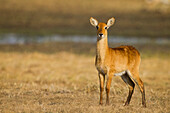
[
  {"x": 57, "y": 81},
  {"x": 134, "y": 17}
]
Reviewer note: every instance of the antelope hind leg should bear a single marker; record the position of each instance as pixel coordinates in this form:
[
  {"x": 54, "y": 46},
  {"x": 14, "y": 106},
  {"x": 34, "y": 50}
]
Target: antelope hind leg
[{"x": 131, "y": 86}]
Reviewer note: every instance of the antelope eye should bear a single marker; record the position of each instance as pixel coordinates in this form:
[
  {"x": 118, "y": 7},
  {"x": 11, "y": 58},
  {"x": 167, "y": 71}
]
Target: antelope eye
[
  {"x": 97, "y": 27},
  {"x": 105, "y": 28}
]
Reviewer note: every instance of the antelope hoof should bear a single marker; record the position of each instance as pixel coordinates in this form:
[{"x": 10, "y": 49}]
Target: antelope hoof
[
  {"x": 100, "y": 103},
  {"x": 144, "y": 105},
  {"x": 126, "y": 104},
  {"x": 107, "y": 103}
]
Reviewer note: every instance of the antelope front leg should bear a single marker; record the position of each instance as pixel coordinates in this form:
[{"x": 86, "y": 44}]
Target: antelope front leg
[
  {"x": 109, "y": 80},
  {"x": 101, "y": 81}
]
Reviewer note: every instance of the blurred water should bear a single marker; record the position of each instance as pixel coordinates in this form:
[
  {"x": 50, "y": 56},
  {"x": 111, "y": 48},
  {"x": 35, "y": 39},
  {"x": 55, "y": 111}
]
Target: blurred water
[{"x": 22, "y": 39}]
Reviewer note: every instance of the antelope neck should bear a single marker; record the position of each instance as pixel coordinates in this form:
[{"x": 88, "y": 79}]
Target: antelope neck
[{"x": 102, "y": 48}]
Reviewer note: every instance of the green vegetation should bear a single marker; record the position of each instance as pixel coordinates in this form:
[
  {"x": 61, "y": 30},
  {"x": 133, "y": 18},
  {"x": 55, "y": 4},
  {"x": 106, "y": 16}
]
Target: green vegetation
[{"x": 133, "y": 17}]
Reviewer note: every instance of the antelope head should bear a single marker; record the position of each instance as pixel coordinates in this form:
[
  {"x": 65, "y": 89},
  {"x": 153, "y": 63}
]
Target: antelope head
[{"x": 102, "y": 27}]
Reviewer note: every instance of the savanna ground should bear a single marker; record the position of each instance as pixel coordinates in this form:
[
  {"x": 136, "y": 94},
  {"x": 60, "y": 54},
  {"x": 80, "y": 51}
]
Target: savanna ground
[{"x": 61, "y": 77}]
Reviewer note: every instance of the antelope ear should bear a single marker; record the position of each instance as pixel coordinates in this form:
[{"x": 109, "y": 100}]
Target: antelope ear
[
  {"x": 93, "y": 22},
  {"x": 110, "y": 22}
]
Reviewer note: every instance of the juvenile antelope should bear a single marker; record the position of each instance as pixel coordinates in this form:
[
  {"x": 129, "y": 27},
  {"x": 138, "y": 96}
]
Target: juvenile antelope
[{"x": 121, "y": 61}]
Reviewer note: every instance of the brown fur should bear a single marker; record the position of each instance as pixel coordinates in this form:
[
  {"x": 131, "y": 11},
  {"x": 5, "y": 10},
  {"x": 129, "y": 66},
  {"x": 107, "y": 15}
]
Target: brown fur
[{"x": 110, "y": 61}]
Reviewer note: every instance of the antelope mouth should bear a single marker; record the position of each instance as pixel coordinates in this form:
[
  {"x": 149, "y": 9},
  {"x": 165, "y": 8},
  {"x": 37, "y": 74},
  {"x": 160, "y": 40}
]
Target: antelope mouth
[{"x": 100, "y": 37}]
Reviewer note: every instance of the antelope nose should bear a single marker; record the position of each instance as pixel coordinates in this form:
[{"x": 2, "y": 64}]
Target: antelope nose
[{"x": 100, "y": 35}]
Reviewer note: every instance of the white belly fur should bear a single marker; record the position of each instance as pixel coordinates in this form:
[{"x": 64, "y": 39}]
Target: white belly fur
[{"x": 120, "y": 73}]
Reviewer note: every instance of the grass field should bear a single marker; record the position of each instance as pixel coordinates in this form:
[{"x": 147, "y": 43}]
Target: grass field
[
  {"x": 61, "y": 77},
  {"x": 133, "y": 17}
]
